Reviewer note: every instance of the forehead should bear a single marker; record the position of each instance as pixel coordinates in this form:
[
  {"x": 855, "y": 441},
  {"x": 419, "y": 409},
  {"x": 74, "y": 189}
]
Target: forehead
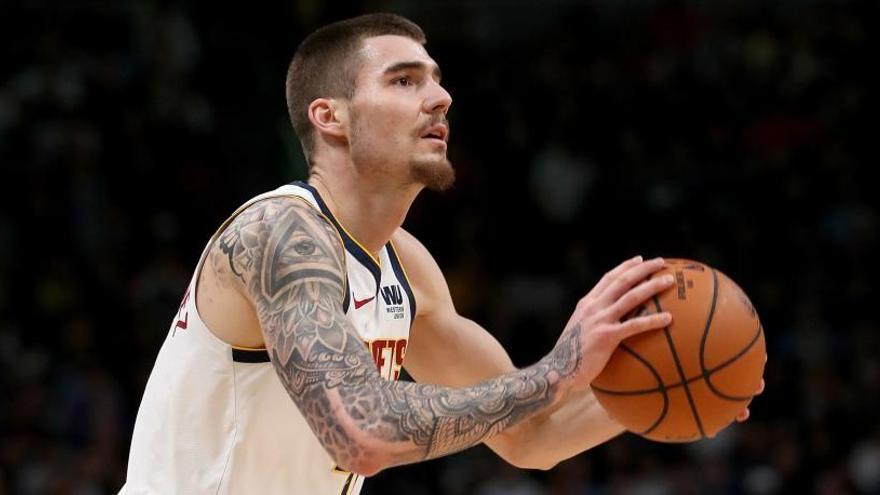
[{"x": 380, "y": 52}]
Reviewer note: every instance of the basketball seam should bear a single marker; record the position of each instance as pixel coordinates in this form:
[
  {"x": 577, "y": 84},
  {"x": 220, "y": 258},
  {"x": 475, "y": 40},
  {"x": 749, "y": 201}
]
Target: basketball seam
[
  {"x": 661, "y": 388},
  {"x": 714, "y": 389},
  {"x": 705, "y": 335},
  {"x": 711, "y": 372},
  {"x": 687, "y": 390}
]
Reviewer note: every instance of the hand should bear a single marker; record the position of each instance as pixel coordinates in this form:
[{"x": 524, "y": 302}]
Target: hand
[
  {"x": 597, "y": 317},
  {"x": 744, "y": 415}
]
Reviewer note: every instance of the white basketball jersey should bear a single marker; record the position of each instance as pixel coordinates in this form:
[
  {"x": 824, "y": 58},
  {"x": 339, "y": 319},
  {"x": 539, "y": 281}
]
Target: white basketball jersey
[{"x": 216, "y": 420}]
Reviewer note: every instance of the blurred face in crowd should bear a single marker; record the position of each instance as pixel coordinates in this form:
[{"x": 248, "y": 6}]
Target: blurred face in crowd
[{"x": 398, "y": 124}]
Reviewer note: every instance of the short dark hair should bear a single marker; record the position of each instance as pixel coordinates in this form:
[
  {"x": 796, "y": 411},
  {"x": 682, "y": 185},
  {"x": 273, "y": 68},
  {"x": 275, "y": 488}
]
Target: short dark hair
[{"x": 326, "y": 65}]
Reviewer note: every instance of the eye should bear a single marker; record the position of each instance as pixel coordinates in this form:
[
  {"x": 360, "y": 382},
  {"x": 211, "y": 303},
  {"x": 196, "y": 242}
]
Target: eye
[
  {"x": 304, "y": 247},
  {"x": 301, "y": 245},
  {"x": 403, "y": 81}
]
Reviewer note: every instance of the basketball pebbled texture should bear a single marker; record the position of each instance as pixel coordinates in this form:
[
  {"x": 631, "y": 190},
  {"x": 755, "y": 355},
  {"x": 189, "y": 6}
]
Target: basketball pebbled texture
[{"x": 691, "y": 379}]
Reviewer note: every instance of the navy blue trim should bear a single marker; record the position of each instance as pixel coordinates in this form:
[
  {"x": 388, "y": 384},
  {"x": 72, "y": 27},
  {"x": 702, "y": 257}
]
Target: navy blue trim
[
  {"x": 347, "y": 484},
  {"x": 398, "y": 270},
  {"x": 350, "y": 246},
  {"x": 250, "y": 356},
  {"x": 347, "y": 300}
]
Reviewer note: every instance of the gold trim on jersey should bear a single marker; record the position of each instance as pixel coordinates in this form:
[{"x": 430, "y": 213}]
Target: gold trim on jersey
[
  {"x": 400, "y": 262},
  {"x": 354, "y": 240},
  {"x": 242, "y": 348}
]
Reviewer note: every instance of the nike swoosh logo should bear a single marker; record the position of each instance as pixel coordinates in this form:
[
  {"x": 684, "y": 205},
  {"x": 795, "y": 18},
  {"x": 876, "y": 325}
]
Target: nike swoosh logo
[{"x": 358, "y": 304}]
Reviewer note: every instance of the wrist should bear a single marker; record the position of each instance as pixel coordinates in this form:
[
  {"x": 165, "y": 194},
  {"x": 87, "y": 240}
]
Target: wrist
[
  {"x": 564, "y": 361},
  {"x": 560, "y": 375}
]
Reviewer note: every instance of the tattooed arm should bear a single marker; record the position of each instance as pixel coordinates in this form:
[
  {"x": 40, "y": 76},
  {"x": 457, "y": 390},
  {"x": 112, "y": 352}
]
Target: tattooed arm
[{"x": 290, "y": 264}]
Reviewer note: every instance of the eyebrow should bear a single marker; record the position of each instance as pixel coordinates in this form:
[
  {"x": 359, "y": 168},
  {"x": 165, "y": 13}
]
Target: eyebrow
[{"x": 401, "y": 66}]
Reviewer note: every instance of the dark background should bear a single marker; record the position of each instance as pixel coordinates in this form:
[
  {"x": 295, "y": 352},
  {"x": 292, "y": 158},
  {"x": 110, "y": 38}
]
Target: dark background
[{"x": 735, "y": 133}]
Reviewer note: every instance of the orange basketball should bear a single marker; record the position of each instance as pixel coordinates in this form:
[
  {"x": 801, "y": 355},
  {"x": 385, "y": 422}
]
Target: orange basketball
[{"x": 691, "y": 379}]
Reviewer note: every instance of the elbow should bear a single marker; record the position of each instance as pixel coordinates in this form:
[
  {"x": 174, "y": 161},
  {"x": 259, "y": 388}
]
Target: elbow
[
  {"x": 366, "y": 467},
  {"x": 533, "y": 463},
  {"x": 361, "y": 467},
  {"x": 521, "y": 455},
  {"x": 543, "y": 466},
  {"x": 362, "y": 459}
]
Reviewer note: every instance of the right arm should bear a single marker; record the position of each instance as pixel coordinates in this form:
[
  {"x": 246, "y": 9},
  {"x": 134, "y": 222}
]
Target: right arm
[{"x": 290, "y": 265}]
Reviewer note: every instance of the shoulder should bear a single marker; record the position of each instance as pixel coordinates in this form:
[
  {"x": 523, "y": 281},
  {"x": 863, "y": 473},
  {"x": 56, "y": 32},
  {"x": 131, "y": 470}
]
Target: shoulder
[
  {"x": 276, "y": 231},
  {"x": 410, "y": 250},
  {"x": 272, "y": 208},
  {"x": 264, "y": 248},
  {"x": 423, "y": 272},
  {"x": 415, "y": 257},
  {"x": 279, "y": 219}
]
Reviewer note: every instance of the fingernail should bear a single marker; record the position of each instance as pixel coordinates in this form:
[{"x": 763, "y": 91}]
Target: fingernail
[
  {"x": 637, "y": 258},
  {"x": 659, "y": 260},
  {"x": 667, "y": 317},
  {"x": 667, "y": 279}
]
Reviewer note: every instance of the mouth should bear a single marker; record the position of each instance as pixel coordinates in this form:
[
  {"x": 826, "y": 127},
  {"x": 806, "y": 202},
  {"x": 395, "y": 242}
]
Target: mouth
[{"x": 438, "y": 132}]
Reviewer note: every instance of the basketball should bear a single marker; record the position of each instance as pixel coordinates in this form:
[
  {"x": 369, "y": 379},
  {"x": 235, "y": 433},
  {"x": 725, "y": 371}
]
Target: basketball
[{"x": 689, "y": 380}]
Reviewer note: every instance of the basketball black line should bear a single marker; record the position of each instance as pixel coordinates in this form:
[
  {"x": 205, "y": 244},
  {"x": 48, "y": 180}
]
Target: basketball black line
[
  {"x": 705, "y": 372},
  {"x": 687, "y": 390},
  {"x": 705, "y": 335},
  {"x": 661, "y": 389},
  {"x": 735, "y": 398},
  {"x": 712, "y": 371}
]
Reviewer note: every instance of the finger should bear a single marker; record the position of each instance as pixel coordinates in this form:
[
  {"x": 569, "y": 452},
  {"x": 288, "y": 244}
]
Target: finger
[
  {"x": 634, "y": 326},
  {"x": 637, "y": 296},
  {"x": 614, "y": 273},
  {"x": 627, "y": 279},
  {"x": 744, "y": 415}
]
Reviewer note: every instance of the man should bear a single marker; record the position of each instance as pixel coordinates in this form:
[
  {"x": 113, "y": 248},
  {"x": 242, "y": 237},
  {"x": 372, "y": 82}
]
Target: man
[{"x": 278, "y": 372}]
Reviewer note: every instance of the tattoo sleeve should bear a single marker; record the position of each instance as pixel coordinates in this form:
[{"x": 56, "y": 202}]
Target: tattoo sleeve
[{"x": 291, "y": 262}]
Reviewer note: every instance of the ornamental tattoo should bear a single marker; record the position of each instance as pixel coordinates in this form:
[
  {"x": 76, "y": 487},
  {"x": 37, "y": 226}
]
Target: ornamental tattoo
[{"x": 291, "y": 262}]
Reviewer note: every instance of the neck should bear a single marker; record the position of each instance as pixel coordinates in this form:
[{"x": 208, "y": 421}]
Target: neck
[{"x": 371, "y": 213}]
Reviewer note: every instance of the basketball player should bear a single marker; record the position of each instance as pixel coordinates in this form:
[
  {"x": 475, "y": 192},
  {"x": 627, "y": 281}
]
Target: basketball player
[{"x": 278, "y": 374}]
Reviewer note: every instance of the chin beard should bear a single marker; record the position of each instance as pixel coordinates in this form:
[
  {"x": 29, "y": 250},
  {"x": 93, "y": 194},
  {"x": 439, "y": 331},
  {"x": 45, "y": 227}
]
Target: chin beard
[{"x": 436, "y": 175}]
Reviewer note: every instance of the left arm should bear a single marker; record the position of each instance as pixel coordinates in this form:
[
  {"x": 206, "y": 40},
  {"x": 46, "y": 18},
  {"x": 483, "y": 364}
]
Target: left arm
[
  {"x": 577, "y": 424},
  {"x": 441, "y": 336}
]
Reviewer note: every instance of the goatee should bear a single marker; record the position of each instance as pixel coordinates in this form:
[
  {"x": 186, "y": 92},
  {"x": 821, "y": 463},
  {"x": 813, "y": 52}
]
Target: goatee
[{"x": 436, "y": 175}]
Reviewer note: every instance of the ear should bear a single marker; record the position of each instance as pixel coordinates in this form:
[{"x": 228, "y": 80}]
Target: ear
[{"x": 329, "y": 117}]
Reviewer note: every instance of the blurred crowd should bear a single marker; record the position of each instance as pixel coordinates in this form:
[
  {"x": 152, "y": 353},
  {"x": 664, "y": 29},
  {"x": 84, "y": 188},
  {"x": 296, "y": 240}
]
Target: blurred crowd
[{"x": 583, "y": 132}]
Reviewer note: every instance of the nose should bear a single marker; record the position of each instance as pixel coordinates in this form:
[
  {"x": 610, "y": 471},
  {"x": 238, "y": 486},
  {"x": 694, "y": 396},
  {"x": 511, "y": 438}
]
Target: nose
[{"x": 438, "y": 100}]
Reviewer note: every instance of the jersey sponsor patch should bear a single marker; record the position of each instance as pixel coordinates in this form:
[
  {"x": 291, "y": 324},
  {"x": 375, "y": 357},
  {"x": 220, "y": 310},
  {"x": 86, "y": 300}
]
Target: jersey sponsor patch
[{"x": 393, "y": 297}]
